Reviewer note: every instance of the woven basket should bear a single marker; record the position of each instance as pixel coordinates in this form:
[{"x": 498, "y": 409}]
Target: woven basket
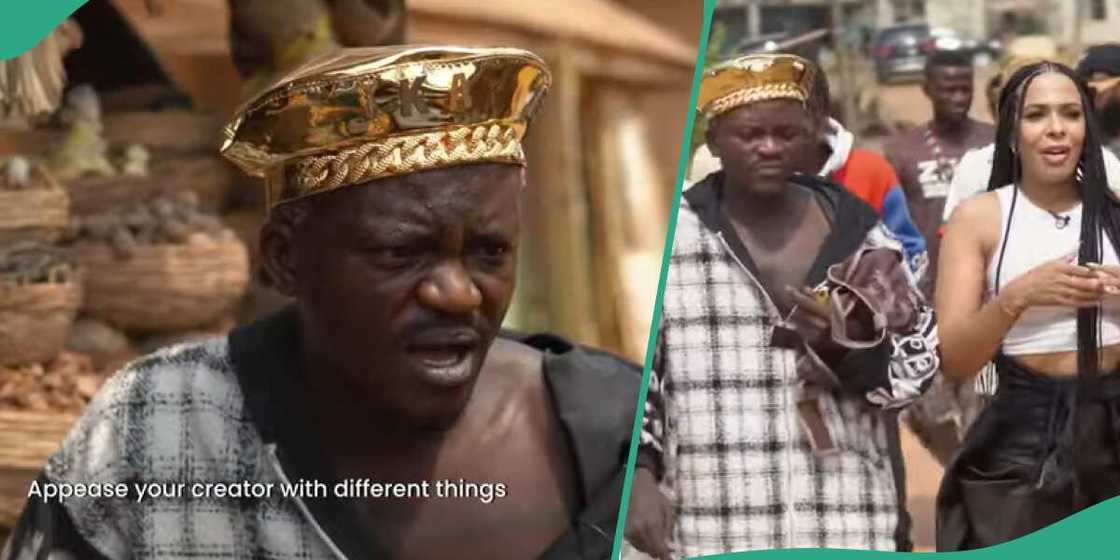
[
  {"x": 26, "y": 440},
  {"x": 35, "y": 320},
  {"x": 181, "y": 145},
  {"x": 166, "y": 132},
  {"x": 164, "y": 287},
  {"x": 212, "y": 179},
  {"x": 34, "y": 214}
]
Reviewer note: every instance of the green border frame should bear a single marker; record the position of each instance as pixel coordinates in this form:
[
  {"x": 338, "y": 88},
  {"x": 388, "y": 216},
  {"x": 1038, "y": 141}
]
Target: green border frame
[
  {"x": 23, "y": 23},
  {"x": 682, "y": 169},
  {"x": 1086, "y": 534}
]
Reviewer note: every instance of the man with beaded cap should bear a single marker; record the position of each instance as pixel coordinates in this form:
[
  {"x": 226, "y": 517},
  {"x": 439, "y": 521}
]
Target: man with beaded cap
[
  {"x": 393, "y": 179},
  {"x": 792, "y": 331}
]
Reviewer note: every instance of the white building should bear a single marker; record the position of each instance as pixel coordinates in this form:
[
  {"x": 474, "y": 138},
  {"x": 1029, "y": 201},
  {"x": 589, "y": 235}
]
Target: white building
[{"x": 1100, "y": 19}]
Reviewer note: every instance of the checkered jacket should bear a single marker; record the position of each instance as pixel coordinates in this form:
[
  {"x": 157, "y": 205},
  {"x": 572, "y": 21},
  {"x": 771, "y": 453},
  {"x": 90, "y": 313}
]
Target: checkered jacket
[
  {"x": 178, "y": 415},
  {"x": 721, "y": 422}
]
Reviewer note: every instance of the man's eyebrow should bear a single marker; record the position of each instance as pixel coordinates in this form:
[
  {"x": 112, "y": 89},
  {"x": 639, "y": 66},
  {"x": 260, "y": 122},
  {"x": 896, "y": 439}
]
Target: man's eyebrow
[
  {"x": 755, "y": 123},
  {"x": 493, "y": 236},
  {"x": 396, "y": 210},
  {"x": 1046, "y": 105},
  {"x": 396, "y": 227}
]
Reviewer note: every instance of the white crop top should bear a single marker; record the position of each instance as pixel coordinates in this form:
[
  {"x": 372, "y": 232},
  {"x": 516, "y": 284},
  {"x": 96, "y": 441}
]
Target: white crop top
[{"x": 1033, "y": 239}]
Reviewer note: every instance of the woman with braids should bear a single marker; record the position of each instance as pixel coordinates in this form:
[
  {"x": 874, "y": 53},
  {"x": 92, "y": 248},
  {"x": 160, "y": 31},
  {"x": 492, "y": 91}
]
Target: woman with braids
[{"x": 1029, "y": 281}]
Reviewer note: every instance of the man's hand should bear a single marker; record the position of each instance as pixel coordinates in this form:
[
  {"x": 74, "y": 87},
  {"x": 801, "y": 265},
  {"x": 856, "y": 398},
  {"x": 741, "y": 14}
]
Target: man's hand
[
  {"x": 650, "y": 517},
  {"x": 811, "y": 320}
]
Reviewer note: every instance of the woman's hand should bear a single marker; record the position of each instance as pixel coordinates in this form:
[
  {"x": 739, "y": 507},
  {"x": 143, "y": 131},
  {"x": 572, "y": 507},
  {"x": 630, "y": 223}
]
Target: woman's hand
[
  {"x": 1057, "y": 282},
  {"x": 1109, "y": 275}
]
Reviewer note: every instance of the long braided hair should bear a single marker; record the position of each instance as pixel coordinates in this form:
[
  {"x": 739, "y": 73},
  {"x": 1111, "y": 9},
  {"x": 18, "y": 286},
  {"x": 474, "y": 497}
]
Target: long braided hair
[{"x": 1100, "y": 207}]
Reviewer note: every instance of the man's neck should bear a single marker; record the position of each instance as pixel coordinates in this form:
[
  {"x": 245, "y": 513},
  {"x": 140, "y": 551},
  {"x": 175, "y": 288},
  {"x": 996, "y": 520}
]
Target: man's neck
[
  {"x": 340, "y": 413},
  {"x": 950, "y": 130},
  {"x": 750, "y": 208}
]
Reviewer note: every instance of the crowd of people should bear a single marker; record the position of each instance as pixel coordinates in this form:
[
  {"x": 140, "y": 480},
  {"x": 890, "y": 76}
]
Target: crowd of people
[{"x": 815, "y": 291}]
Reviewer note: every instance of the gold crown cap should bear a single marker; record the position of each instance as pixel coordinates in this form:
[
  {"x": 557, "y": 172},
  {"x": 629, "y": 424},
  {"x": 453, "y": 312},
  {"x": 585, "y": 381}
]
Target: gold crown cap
[
  {"x": 356, "y": 115},
  {"x": 752, "y": 78}
]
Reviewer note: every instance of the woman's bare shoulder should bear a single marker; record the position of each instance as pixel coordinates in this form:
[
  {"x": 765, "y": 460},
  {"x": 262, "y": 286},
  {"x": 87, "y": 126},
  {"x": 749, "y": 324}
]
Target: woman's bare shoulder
[
  {"x": 977, "y": 218},
  {"x": 981, "y": 208}
]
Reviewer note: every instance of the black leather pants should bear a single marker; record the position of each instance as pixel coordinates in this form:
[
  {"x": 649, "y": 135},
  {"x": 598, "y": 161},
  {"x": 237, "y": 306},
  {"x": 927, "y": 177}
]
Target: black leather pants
[{"x": 1043, "y": 449}]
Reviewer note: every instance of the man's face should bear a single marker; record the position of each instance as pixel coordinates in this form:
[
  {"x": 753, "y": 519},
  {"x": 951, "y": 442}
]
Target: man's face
[
  {"x": 1107, "y": 102},
  {"x": 405, "y": 281},
  {"x": 949, "y": 89},
  {"x": 761, "y": 145}
]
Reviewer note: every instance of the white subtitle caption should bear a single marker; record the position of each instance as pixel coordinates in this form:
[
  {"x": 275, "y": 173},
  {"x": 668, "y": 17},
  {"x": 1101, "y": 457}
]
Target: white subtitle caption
[{"x": 359, "y": 488}]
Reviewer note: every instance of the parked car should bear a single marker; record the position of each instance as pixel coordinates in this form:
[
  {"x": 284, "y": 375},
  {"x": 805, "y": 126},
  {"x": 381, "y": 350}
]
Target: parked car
[
  {"x": 897, "y": 51},
  {"x": 901, "y": 50}
]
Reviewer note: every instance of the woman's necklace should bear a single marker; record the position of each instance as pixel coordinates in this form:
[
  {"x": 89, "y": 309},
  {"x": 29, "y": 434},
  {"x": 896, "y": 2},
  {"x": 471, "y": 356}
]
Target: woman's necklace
[{"x": 1060, "y": 221}]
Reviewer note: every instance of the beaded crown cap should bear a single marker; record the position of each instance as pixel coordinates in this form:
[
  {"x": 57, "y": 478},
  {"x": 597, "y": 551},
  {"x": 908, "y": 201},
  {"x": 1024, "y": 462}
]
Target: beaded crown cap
[
  {"x": 752, "y": 78},
  {"x": 356, "y": 115}
]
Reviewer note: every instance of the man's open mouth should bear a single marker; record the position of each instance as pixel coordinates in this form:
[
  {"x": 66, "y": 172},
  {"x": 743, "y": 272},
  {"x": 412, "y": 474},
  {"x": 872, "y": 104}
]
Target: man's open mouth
[{"x": 445, "y": 357}]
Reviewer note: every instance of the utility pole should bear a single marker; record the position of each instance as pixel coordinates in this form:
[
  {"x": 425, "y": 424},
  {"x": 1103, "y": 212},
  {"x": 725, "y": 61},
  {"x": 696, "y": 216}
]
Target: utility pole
[
  {"x": 753, "y": 14},
  {"x": 1078, "y": 11},
  {"x": 844, "y": 66}
]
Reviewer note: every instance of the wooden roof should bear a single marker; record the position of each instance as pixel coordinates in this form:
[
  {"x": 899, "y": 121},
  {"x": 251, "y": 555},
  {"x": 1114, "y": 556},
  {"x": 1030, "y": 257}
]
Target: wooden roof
[{"x": 202, "y": 26}]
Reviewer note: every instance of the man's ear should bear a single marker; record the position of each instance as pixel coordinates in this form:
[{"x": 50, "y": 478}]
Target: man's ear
[
  {"x": 278, "y": 247},
  {"x": 710, "y": 140},
  {"x": 822, "y": 127},
  {"x": 926, "y": 86}
]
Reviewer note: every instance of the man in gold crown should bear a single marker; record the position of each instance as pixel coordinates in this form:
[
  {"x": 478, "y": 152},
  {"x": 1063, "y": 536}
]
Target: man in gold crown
[
  {"x": 383, "y": 415},
  {"x": 792, "y": 331}
]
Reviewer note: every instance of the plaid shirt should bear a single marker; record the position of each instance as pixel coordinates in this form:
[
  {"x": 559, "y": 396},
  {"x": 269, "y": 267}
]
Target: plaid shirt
[
  {"x": 721, "y": 422},
  {"x": 175, "y": 416}
]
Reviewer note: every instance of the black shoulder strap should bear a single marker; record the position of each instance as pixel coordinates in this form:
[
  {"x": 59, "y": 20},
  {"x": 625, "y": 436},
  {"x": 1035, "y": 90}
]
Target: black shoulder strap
[
  {"x": 596, "y": 398},
  {"x": 593, "y": 535},
  {"x": 1006, "y": 236}
]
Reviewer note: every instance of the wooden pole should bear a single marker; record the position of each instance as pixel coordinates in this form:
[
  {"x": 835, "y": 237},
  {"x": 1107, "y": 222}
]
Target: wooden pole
[
  {"x": 607, "y": 215},
  {"x": 629, "y": 213},
  {"x": 558, "y": 189},
  {"x": 753, "y": 14}
]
